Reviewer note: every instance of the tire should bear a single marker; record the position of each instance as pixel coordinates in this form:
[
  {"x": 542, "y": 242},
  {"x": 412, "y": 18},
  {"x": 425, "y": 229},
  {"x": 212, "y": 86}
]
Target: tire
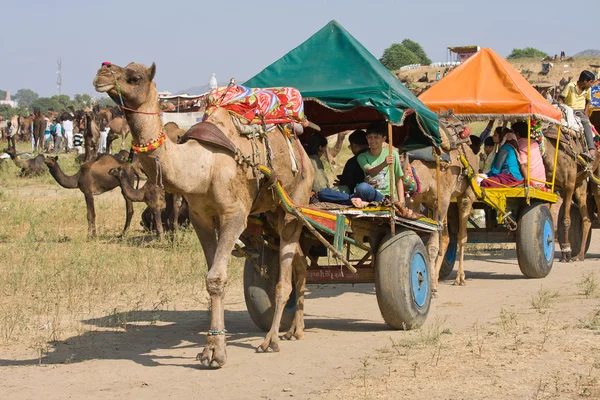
[
  {"x": 259, "y": 292},
  {"x": 449, "y": 259},
  {"x": 575, "y": 233},
  {"x": 535, "y": 241},
  {"x": 402, "y": 280}
]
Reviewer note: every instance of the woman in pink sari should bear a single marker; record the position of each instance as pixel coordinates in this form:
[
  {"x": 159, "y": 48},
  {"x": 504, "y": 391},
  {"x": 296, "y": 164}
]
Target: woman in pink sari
[{"x": 537, "y": 171}]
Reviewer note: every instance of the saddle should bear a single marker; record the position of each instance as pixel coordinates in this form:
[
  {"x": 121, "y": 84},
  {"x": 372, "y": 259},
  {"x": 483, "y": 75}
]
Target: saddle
[
  {"x": 209, "y": 133},
  {"x": 552, "y": 133},
  {"x": 426, "y": 154}
]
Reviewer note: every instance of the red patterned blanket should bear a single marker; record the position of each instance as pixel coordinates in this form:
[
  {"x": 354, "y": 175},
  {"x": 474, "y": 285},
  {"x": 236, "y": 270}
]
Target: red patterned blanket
[{"x": 255, "y": 106}]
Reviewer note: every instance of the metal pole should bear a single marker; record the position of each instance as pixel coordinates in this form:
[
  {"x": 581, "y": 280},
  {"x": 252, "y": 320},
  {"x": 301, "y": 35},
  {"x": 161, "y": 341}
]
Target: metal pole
[{"x": 391, "y": 174}]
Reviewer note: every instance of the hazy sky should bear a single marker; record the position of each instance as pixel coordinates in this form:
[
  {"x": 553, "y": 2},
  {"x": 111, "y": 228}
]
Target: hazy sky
[{"x": 189, "y": 40}]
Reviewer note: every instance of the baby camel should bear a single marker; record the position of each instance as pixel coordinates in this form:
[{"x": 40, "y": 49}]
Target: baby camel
[{"x": 150, "y": 193}]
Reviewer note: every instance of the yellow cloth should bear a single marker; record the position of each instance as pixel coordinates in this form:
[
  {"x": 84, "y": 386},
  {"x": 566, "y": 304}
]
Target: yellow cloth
[
  {"x": 321, "y": 181},
  {"x": 573, "y": 99}
]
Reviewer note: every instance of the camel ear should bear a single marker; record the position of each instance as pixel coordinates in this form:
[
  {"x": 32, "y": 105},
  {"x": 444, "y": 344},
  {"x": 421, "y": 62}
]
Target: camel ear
[{"x": 152, "y": 71}]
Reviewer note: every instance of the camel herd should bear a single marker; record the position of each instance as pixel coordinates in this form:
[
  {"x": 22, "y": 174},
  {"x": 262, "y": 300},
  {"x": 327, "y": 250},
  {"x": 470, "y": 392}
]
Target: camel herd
[
  {"x": 219, "y": 192},
  {"x": 102, "y": 172}
]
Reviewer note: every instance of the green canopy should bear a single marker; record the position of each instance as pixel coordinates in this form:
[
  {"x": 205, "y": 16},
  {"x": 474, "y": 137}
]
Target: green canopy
[{"x": 346, "y": 87}]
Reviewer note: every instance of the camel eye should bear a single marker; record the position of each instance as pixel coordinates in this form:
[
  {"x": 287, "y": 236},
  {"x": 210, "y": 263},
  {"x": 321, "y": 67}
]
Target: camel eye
[{"x": 134, "y": 79}]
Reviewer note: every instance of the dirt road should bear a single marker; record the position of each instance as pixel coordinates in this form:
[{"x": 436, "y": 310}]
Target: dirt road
[{"x": 156, "y": 359}]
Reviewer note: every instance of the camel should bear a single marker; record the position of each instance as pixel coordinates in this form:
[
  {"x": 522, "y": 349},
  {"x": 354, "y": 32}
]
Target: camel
[
  {"x": 571, "y": 181},
  {"x": 150, "y": 193},
  {"x": 332, "y": 152},
  {"x": 173, "y": 131},
  {"x": 25, "y": 127},
  {"x": 30, "y": 167},
  {"x": 118, "y": 127},
  {"x": 452, "y": 185},
  {"x": 93, "y": 179},
  {"x": 221, "y": 195},
  {"x": 91, "y": 136},
  {"x": 39, "y": 126},
  {"x": 170, "y": 222}
]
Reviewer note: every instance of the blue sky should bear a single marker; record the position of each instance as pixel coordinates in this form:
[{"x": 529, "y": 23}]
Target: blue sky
[{"x": 189, "y": 40}]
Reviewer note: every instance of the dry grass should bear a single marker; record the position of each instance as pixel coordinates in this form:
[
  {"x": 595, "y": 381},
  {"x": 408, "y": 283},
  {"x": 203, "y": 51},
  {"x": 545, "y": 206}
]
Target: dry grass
[
  {"x": 52, "y": 278},
  {"x": 520, "y": 355}
]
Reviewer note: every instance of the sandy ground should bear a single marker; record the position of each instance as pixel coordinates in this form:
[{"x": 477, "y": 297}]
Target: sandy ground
[{"x": 348, "y": 351}]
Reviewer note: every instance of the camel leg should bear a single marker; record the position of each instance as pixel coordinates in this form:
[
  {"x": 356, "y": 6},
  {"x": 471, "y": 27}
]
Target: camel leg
[
  {"x": 465, "y": 210},
  {"x": 177, "y": 200},
  {"x": 158, "y": 223},
  {"x": 586, "y": 223},
  {"x": 91, "y": 214},
  {"x": 289, "y": 234},
  {"x": 297, "y": 329},
  {"x": 128, "y": 215},
  {"x": 231, "y": 227},
  {"x": 565, "y": 247}
]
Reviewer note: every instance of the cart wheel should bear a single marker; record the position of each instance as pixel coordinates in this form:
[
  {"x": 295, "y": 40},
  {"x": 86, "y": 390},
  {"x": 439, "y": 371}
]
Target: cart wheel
[
  {"x": 535, "y": 241},
  {"x": 449, "y": 259},
  {"x": 402, "y": 280},
  {"x": 259, "y": 292},
  {"x": 575, "y": 233}
]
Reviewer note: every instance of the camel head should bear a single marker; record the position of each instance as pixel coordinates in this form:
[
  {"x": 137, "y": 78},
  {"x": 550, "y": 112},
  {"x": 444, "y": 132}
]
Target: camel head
[
  {"x": 135, "y": 83},
  {"x": 51, "y": 161}
]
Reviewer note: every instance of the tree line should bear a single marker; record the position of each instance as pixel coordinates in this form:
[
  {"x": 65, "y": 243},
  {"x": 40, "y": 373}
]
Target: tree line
[
  {"x": 410, "y": 52},
  {"x": 28, "y": 100}
]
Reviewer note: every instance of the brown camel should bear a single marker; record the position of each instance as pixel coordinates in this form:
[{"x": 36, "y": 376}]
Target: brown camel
[
  {"x": 173, "y": 131},
  {"x": 118, "y": 128},
  {"x": 221, "y": 194},
  {"x": 29, "y": 167},
  {"x": 453, "y": 185},
  {"x": 39, "y": 126},
  {"x": 93, "y": 179},
  {"x": 91, "y": 136},
  {"x": 571, "y": 181},
  {"x": 150, "y": 193},
  {"x": 332, "y": 152}
]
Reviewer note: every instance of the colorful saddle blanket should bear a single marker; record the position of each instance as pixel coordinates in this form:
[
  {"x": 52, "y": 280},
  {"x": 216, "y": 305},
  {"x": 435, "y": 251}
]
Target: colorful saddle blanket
[{"x": 256, "y": 106}]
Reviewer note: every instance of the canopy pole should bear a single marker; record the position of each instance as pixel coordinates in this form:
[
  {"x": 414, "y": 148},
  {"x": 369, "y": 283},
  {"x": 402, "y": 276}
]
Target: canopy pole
[
  {"x": 391, "y": 174},
  {"x": 528, "y": 150},
  {"x": 555, "y": 157}
]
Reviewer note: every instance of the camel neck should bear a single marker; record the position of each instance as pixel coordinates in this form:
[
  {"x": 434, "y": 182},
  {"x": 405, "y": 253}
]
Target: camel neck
[
  {"x": 66, "y": 181},
  {"x": 146, "y": 125}
]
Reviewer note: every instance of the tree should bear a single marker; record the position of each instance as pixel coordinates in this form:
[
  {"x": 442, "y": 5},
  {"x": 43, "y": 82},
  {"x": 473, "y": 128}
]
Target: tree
[
  {"x": 6, "y": 111},
  {"x": 397, "y": 56},
  {"x": 45, "y": 103},
  {"x": 105, "y": 102},
  {"x": 26, "y": 96},
  {"x": 81, "y": 101},
  {"x": 417, "y": 50},
  {"x": 2, "y": 94},
  {"x": 527, "y": 52},
  {"x": 63, "y": 99}
]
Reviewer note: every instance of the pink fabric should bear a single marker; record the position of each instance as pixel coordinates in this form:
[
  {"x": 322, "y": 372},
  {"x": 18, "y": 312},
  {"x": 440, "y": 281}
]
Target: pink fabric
[
  {"x": 500, "y": 181},
  {"x": 538, "y": 171}
]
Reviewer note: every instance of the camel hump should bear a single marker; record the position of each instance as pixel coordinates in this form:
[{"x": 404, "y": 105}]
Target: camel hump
[{"x": 208, "y": 133}]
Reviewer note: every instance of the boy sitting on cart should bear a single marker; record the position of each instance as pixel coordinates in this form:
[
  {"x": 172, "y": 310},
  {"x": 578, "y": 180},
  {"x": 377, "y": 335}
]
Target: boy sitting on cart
[{"x": 376, "y": 163}]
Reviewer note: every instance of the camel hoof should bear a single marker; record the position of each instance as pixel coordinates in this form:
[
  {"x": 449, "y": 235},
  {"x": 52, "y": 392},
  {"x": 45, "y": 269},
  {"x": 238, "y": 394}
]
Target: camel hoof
[
  {"x": 215, "y": 364},
  {"x": 434, "y": 294}
]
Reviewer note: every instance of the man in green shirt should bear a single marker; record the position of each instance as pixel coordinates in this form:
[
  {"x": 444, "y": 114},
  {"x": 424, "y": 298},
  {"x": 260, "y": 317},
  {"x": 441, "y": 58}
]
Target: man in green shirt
[
  {"x": 577, "y": 96},
  {"x": 376, "y": 163}
]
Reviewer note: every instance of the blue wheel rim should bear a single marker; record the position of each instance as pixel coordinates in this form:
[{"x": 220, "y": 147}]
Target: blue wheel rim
[
  {"x": 451, "y": 253},
  {"x": 548, "y": 240},
  {"x": 291, "y": 303},
  {"x": 419, "y": 279}
]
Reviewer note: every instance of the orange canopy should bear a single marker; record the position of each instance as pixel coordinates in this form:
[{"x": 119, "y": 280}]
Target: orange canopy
[{"x": 486, "y": 86}]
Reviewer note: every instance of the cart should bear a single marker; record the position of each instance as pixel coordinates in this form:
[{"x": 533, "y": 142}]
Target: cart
[
  {"x": 344, "y": 87},
  {"x": 362, "y": 248},
  {"x": 518, "y": 214}
]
